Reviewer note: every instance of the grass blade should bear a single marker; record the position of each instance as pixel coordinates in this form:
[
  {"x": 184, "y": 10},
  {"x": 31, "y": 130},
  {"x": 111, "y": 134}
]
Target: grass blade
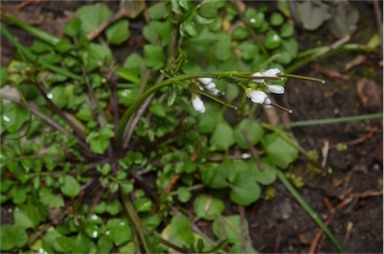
[{"x": 309, "y": 210}]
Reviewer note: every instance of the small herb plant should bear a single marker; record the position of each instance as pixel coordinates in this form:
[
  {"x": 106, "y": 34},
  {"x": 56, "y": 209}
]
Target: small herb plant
[{"x": 99, "y": 157}]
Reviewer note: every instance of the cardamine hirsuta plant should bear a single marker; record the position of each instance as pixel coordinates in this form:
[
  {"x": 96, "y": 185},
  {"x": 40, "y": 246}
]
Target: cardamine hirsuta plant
[{"x": 256, "y": 87}]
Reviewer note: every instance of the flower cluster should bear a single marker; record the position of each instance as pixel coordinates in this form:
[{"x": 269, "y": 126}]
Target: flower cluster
[
  {"x": 260, "y": 97},
  {"x": 210, "y": 86},
  {"x": 257, "y": 91}
]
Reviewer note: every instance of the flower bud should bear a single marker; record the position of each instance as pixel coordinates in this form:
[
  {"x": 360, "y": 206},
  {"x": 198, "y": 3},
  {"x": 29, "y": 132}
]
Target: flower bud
[
  {"x": 276, "y": 89},
  {"x": 198, "y": 104}
]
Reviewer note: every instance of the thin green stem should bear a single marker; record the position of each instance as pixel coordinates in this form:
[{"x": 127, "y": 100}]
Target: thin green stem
[
  {"x": 135, "y": 219},
  {"x": 334, "y": 120},
  {"x": 286, "y": 75},
  {"x": 309, "y": 210},
  {"x": 48, "y": 38}
]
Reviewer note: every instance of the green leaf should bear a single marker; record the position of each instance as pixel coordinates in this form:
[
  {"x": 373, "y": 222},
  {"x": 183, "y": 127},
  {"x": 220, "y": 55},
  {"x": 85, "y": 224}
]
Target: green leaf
[
  {"x": 249, "y": 50},
  {"x": 13, "y": 117},
  {"x": 223, "y": 47},
  {"x": 133, "y": 63},
  {"x": 143, "y": 204},
  {"x": 119, "y": 232},
  {"x": 91, "y": 16},
  {"x": 127, "y": 187},
  {"x": 179, "y": 231},
  {"x": 12, "y": 236},
  {"x": 157, "y": 11},
  {"x": 272, "y": 40},
  {"x": 237, "y": 248},
  {"x": 70, "y": 187},
  {"x": 18, "y": 194},
  {"x": 276, "y": 19},
  {"x": 82, "y": 244},
  {"x": 240, "y": 33},
  {"x": 58, "y": 96},
  {"x": 217, "y": 176},
  {"x": 104, "y": 245},
  {"x": 208, "y": 207},
  {"x": 244, "y": 189},
  {"x": 229, "y": 228},
  {"x": 63, "y": 46},
  {"x": 252, "y": 130},
  {"x": 279, "y": 151},
  {"x": 129, "y": 247},
  {"x": 47, "y": 198},
  {"x": 114, "y": 207},
  {"x": 118, "y": 32},
  {"x": 99, "y": 141},
  {"x": 183, "y": 194},
  {"x": 163, "y": 29},
  {"x": 208, "y": 122},
  {"x": 154, "y": 56},
  {"x": 267, "y": 176},
  {"x": 287, "y": 30},
  {"x": 62, "y": 244},
  {"x": 222, "y": 137},
  {"x": 72, "y": 28},
  {"x": 29, "y": 216}
]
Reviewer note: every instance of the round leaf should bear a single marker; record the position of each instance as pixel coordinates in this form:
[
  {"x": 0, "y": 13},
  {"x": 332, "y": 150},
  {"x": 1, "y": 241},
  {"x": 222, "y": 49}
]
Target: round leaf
[
  {"x": 267, "y": 175},
  {"x": 276, "y": 19},
  {"x": 12, "y": 236},
  {"x": 154, "y": 56},
  {"x": 244, "y": 189},
  {"x": 208, "y": 207},
  {"x": 222, "y": 137},
  {"x": 279, "y": 151},
  {"x": 13, "y": 117},
  {"x": 183, "y": 194},
  {"x": 91, "y": 16},
  {"x": 249, "y": 129},
  {"x": 118, "y": 32},
  {"x": 229, "y": 228},
  {"x": 70, "y": 187},
  {"x": 272, "y": 40}
]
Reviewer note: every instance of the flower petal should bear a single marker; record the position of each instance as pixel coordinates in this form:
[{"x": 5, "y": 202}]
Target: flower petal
[
  {"x": 205, "y": 81},
  {"x": 198, "y": 104},
  {"x": 258, "y": 74},
  {"x": 257, "y": 96},
  {"x": 276, "y": 89}
]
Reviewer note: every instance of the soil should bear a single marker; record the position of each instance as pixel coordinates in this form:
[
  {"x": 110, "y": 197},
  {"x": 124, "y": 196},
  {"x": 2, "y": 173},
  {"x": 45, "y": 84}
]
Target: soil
[{"x": 347, "y": 192}]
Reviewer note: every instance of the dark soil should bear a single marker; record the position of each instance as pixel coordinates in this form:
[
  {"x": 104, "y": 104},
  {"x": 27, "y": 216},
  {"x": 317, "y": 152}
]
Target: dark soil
[{"x": 347, "y": 191}]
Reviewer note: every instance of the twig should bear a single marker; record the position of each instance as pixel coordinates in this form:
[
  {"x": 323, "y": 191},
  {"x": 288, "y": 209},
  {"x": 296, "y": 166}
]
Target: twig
[
  {"x": 253, "y": 151},
  {"x": 244, "y": 236},
  {"x": 121, "y": 13}
]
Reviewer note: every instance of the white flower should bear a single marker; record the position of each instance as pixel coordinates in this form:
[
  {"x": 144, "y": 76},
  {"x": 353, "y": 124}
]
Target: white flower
[
  {"x": 267, "y": 103},
  {"x": 273, "y": 73},
  {"x": 210, "y": 86},
  {"x": 205, "y": 81},
  {"x": 276, "y": 89},
  {"x": 257, "y": 96},
  {"x": 197, "y": 103},
  {"x": 258, "y": 74}
]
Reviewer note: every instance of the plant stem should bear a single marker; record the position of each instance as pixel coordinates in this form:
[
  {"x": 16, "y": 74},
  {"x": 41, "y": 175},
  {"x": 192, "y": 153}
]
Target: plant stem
[
  {"x": 334, "y": 120},
  {"x": 134, "y": 217},
  {"x": 309, "y": 210}
]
